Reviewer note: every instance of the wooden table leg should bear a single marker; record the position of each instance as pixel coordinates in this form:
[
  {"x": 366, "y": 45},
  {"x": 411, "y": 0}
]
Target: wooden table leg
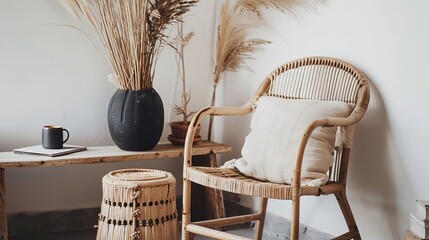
[
  {"x": 215, "y": 197},
  {"x": 3, "y": 214},
  {"x": 208, "y": 205}
]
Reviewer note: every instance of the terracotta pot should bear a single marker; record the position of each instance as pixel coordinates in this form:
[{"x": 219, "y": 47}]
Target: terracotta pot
[{"x": 178, "y": 133}]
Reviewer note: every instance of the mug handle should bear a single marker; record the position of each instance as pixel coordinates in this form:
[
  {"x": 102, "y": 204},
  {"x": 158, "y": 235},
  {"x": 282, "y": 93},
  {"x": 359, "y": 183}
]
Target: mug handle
[{"x": 68, "y": 135}]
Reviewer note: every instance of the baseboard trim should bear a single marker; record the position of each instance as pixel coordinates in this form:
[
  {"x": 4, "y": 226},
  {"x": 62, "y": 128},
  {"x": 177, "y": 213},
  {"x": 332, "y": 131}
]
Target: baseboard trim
[{"x": 30, "y": 223}]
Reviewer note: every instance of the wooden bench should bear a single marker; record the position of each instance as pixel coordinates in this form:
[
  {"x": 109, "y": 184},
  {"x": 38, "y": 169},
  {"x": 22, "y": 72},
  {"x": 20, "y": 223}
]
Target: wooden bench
[{"x": 107, "y": 154}]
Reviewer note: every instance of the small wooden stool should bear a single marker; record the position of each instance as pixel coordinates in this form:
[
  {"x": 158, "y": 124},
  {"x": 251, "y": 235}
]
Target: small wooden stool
[{"x": 138, "y": 204}]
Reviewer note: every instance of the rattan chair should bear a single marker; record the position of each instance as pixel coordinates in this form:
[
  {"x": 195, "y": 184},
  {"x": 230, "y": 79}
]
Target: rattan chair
[{"x": 316, "y": 78}]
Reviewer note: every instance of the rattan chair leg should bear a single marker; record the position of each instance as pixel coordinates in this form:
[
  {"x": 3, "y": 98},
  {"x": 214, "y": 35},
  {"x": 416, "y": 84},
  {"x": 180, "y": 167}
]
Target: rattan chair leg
[
  {"x": 260, "y": 224},
  {"x": 294, "y": 226},
  {"x": 186, "y": 208},
  {"x": 348, "y": 215}
]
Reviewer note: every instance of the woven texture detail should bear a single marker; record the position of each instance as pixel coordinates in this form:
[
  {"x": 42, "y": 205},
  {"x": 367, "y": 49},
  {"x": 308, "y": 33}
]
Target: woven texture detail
[
  {"x": 317, "y": 78},
  {"x": 231, "y": 180},
  {"x": 139, "y": 223},
  {"x": 138, "y": 204}
]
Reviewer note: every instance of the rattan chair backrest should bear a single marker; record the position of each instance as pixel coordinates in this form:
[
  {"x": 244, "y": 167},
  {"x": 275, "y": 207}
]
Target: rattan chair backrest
[
  {"x": 317, "y": 78},
  {"x": 326, "y": 79}
]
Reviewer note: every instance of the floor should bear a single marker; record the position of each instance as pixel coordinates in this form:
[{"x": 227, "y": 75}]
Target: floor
[
  {"x": 275, "y": 228},
  {"x": 90, "y": 235}
]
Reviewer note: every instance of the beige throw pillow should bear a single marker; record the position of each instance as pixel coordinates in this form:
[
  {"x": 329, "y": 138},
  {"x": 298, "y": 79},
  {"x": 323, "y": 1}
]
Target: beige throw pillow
[{"x": 270, "y": 150}]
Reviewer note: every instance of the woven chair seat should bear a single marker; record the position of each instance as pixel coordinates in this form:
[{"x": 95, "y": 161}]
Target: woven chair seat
[{"x": 231, "y": 180}]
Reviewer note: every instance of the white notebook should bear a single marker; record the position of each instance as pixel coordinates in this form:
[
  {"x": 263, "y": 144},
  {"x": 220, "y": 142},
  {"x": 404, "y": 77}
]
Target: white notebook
[{"x": 39, "y": 150}]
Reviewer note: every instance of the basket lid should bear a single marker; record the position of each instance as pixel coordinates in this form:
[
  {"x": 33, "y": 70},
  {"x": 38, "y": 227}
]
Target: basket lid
[{"x": 138, "y": 176}]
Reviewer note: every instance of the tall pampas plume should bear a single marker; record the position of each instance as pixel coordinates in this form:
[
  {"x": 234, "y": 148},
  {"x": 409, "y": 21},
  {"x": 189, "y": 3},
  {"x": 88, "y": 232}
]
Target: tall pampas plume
[
  {"x": 234, "y": 45},
  {"x": 255, "y": 7}
]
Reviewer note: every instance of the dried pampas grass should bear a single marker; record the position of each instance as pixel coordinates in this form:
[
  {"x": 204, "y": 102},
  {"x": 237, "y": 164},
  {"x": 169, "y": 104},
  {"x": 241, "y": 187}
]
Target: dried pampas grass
[
  {"x": 234, "y": 44},
  {"x": 255, "y": 7},
  {"x": 132, "y": 33}
]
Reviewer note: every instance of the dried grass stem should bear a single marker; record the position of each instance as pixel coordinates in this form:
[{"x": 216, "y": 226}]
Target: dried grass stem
[{"x": 132, "y": 33}]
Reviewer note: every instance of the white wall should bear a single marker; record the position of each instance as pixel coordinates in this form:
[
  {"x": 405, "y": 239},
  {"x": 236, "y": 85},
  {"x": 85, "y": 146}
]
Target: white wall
[
  {"x": 53, "y": 74},
  {"x": 389, "y": 41}
]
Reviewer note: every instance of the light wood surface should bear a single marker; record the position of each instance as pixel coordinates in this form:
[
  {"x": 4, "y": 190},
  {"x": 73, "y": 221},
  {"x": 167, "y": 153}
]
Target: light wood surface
[
  {"x": 100, "y": 154},
  {"x": 106, "y": 154}
]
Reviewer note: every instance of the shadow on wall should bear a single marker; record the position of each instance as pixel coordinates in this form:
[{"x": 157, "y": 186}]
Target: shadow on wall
[
  {"x": 371, "y": 179},
  {"x": 375, "y": 177}
]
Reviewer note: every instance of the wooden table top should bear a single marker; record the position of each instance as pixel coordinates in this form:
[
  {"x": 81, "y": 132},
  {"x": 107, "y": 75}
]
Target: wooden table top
[{"x": 106, "y": 154}]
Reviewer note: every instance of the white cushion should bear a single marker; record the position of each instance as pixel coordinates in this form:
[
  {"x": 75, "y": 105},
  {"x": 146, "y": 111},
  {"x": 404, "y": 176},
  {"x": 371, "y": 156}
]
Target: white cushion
[{"x": 277, "y": 126}]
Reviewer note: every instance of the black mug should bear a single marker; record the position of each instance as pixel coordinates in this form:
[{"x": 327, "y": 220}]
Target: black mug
[{"x": 52, "y": 137}]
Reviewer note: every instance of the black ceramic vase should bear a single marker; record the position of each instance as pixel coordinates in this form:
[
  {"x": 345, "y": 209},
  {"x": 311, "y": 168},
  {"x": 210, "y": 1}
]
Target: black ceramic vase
[{"x": 136, "y": 119}]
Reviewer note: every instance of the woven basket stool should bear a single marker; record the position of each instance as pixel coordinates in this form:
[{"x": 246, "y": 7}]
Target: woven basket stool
[{"x": 138, "y": 204}]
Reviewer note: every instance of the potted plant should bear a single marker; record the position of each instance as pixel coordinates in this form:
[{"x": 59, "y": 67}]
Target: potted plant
[
  {"x": 132, "y": 33},
  {"x": 180, "y": 128}
]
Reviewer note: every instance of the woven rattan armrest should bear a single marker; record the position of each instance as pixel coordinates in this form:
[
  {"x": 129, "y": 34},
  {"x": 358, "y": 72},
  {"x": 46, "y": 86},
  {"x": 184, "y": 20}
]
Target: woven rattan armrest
[
  {"x": 212, "y": 111},
  {"x": 325, "y": 122}
]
